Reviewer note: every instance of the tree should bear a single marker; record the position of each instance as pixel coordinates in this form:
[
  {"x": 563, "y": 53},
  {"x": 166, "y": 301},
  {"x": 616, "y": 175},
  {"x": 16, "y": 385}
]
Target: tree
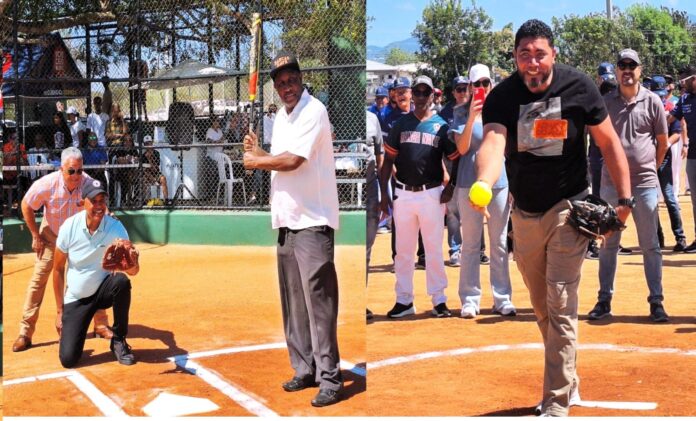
[
  {"x": 452, "y": 38},
  {"x": 398, "y": 56}
]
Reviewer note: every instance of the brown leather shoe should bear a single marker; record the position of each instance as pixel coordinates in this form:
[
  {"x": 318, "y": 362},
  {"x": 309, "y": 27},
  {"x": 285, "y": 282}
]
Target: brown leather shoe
[
  {"x": 103, "y": 332},
  {"x": 21, "y": 344}
]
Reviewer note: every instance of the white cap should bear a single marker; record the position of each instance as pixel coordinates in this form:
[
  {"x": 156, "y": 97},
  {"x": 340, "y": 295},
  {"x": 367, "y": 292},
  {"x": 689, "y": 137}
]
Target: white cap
[
  {"x": 147, "y": 139},
  {"x": 71, "y": 110},
  {"x": 479, "y": 71}
]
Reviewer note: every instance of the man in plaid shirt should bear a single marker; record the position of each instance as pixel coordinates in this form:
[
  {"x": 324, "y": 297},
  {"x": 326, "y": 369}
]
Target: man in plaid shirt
[{"x": 60, "y": 194}]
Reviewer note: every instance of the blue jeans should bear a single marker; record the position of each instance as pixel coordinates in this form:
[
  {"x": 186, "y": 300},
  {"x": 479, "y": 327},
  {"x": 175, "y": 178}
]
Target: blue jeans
[
  {"x": 691, "y": 176},
  {"x": 664, "y": 175},
  {"x": 454, "y": 234},
  {"x": 472, "y": 226},
  {"x": 645, "y": 217}
]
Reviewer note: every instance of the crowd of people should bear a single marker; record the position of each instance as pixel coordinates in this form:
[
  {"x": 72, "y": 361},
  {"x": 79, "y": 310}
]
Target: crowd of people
[{"x": 622, "y": 136}]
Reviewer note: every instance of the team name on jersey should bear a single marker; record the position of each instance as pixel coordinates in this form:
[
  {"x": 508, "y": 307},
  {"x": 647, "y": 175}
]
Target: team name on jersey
[{"x": 428, "y": 139}]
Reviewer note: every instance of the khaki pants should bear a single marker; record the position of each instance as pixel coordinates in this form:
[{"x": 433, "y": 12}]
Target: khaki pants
[
  {"x": 37, "y": 286},
  {"x": 549, "y": 254}
]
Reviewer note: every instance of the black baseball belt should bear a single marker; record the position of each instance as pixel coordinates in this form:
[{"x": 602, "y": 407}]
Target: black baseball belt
[{"x": 422, "y": 187}]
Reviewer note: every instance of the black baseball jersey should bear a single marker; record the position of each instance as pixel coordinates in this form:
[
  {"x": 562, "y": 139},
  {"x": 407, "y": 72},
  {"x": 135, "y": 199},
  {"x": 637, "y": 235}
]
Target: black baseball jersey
[
  {"x": 544, "y": 171},
  {"x": 419, "y": 147}
]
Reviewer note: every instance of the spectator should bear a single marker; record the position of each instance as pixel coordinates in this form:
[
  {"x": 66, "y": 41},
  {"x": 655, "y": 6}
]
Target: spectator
[
  {"x": 639, "y": 119},
  {"x": 116, "y": 128},
  {"x": 381, "y": 100},
  {"x": 61, "y": 132},
  {"x": 468, "y": 134},
  {"x": 214, "y": 135},
  {"x": 95, "y": 154},
  {"x": 152, "y": 175},
  {"x": 96, "y": 121},
  {"x": 38, "y": 155},
  {"x": 14, "y": 153},
  {"x": 125, "y": 154},
  {"x": 77, "y": 129},
  {"x": 107, "y": 97}
]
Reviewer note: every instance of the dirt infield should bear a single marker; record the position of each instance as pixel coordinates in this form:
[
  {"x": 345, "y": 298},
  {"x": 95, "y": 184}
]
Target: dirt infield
[
  {"x": 219, "y": 306},
  {"x": 493, "y": 365}
]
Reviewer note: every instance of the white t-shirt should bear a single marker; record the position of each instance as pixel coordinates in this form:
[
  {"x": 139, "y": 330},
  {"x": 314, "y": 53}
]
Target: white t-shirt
[
  {"x": 97, "y": 124},
  {"x": 75, "y": 128},
  {"x": 213, "y": 136},
  {"x": 268, "y": 129},
  {"x": 307, "y": 196}
]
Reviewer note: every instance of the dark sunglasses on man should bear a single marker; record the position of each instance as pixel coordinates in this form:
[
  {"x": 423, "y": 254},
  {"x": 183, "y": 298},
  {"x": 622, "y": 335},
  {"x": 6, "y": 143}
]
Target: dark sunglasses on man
[
  {"x": 622, "y": 65},
  {"x": 479, "y": 83},
  {"x": 72, "y": 171},
  {"x": 421, "y": 92}
]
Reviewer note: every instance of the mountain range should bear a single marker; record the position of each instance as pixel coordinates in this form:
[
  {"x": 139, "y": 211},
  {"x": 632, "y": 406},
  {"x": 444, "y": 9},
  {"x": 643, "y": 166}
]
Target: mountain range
[{"x": 379, "y": 54}]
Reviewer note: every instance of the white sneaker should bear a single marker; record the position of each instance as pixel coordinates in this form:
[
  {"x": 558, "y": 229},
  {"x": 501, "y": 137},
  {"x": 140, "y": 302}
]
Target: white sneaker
[
  {"x": 574, "y": 400},
  {"x": 469, "y": 312},
  {"x": 506, "y": 310},
  {"x": 454, "y": 259}
]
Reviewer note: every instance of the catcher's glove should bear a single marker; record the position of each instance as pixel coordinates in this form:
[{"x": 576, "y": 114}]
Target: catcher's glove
[
  {"x": 593, "y": 217},
  {"x": 120, "y": 255}
]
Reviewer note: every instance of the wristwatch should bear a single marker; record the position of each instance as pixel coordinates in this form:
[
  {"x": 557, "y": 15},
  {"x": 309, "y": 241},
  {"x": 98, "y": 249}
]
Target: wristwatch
[{"x": 630, "y": 202}]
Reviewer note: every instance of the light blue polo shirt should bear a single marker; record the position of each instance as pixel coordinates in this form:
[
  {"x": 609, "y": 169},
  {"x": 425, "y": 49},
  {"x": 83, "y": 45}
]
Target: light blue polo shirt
[{"x": 85, "y": 253}]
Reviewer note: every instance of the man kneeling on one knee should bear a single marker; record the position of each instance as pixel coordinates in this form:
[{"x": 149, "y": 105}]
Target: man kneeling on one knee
[{"x": 82, "y": 241}]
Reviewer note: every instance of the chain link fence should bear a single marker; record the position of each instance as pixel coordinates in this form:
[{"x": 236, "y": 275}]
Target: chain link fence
[{"x": 156, "y": 94}]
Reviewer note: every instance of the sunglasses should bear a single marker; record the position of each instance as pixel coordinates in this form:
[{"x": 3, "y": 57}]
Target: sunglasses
[
  {"x": 622, "y": 65},
  {"x": 479, "y": 83},
  {"x": 422, "y": 93},
  {"x": 460, "y": 89},
  {"x": 686, "y": 79},
  {"x": 72, "y": 171}
]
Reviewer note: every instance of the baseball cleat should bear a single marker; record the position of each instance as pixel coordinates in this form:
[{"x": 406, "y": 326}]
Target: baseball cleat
[{"x": 401, "y": 310}]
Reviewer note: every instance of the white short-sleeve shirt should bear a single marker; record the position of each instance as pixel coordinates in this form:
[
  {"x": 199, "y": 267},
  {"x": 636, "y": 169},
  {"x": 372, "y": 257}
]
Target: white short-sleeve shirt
[
  {"x": 97, "y": 124},
  {"x": 306, "y": 196}
]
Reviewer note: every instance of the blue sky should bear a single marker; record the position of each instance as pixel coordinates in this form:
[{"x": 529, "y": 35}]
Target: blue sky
[{"x": 395, "y": 20}]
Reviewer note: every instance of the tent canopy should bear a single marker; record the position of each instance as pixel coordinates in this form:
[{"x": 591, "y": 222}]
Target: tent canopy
[
  {"x": 189, "y": 73},
  {"x": 46, "y": 58}
]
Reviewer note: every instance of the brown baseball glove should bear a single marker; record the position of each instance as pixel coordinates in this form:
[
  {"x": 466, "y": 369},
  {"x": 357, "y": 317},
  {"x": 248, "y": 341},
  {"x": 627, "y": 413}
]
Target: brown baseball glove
[
  {"x": 593, "y": 217},
  {"x": 121, "y": 255}
]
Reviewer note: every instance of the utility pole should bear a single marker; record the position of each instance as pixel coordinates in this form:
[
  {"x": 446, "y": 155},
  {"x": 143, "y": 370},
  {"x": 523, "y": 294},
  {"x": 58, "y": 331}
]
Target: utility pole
[{"x": 609, "y": 11}]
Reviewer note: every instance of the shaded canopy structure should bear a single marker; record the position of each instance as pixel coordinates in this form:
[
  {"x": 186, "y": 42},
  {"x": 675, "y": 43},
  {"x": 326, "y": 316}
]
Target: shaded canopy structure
[{"x": 189, "y": 73}]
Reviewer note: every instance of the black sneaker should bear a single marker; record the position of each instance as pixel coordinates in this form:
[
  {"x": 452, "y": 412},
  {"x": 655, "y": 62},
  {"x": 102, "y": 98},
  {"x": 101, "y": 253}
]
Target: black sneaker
[
  {"x": 326, "y": 397},
  {"x": 680, "y": 246},
  {"x": 624, "y": 251},
  {"x": 657, "y": 313},
  {"x": 122, "y": 351},
  {"x": 484, "y": 259},
  {"x": 441, "y": 310},
  {"x": 401, "y": 310},
  {"x": 369, "y": 314},
  {"x": 691, "y": 248},
  {"x": 299, "y": 383},
  {"x": 592, "y": 251},
  {"x": 601, "y": 310},
  {"x": 420, "y": 264}
]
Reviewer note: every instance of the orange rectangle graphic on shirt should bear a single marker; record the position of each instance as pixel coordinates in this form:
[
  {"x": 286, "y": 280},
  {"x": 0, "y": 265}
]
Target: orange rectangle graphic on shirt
[{"x": 550, "y": 129}]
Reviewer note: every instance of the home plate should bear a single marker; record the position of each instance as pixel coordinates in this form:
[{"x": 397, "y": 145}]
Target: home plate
[
  {"x": 637, "y": 406},
  {"x": 169, "y": 405}
]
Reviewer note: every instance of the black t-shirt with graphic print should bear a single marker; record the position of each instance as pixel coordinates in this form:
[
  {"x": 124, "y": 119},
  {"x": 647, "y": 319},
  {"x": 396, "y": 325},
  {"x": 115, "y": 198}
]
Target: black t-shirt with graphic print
[{"x": 542, "y": 172}]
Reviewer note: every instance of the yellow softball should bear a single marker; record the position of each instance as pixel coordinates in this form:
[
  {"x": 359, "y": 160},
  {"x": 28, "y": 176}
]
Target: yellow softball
[{"x": 480, "y": 194}]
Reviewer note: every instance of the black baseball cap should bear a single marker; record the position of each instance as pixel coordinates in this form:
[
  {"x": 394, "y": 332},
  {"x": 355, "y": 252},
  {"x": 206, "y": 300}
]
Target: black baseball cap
[
  {"x": 284, "y": 60},
  {"x": 93, "y": 188}
]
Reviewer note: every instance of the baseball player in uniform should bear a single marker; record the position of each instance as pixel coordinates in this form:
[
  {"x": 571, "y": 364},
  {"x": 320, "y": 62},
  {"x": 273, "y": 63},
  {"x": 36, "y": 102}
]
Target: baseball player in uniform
[
  {"x": 416, "y": 147},
  {"x": 381, "y": 100}
]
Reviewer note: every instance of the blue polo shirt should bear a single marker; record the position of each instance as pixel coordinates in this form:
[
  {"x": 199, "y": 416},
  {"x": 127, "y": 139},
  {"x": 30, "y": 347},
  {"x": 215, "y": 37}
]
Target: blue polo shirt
[{"x": 85, "y": 252}]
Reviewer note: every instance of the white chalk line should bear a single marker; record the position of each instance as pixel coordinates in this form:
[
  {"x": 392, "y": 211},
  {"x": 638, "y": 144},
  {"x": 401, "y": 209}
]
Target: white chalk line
[
  {"x": 494, "y": 348},
  {"x": 185, "y": 362},
  {"x": 243, "y": 399},
  {"x": 105, "y": 404}
]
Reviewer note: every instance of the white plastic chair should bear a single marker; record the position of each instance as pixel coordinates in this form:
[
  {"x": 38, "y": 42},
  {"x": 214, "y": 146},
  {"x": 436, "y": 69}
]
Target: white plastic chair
[{"x": 226, "y": 177}]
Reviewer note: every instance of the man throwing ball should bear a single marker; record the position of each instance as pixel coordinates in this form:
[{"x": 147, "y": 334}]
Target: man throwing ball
[
  {"x": 536, "y": 119},
  {"x": 83, "y": 240},
  {"x": 304, "y": 208}
]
